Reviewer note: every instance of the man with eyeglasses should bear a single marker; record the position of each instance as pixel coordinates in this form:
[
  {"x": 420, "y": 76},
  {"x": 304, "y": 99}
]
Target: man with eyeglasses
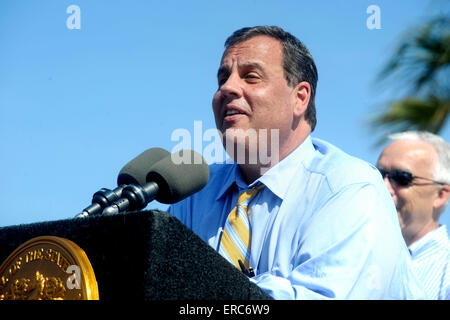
[{"x": 416, "y": 169}]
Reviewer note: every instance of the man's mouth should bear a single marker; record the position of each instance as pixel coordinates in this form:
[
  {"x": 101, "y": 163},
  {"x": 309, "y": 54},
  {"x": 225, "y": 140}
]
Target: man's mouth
[
  {"x": 232, "y": 115},
  {"x": 233, "y": 112}
]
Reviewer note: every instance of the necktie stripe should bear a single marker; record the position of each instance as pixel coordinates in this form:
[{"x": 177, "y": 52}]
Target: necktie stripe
[
  {"x": 240, "y": 240},
  {"x": 236, "y": 236},
  {"x": 239, "y": 216},
  {"x": 242, "y": 212},
  {"x": 232, "y": 251},
  {"x": 243, "y": 219}
]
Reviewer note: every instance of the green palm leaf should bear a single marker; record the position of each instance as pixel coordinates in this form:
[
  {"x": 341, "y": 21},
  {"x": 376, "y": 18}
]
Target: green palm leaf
[
  {"x": 422, "y": 54},
  {"x": 422, "y": 65},
  {"x": 414, "y": 114}
]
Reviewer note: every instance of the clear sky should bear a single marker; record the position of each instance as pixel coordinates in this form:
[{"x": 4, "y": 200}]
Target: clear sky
[{"x": 78, "y": 104}]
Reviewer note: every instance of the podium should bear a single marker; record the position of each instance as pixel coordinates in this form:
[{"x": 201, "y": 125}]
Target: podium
[{"x": 148, "y": 255}]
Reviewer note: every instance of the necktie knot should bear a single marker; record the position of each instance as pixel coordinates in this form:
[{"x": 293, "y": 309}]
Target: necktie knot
[{"x": 249, "y": 194}]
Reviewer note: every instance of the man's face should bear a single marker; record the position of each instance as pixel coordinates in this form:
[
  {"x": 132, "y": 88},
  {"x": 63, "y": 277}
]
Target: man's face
[
  {"x": 253, "y": 92},
  {"x": 414, "y": 203}
]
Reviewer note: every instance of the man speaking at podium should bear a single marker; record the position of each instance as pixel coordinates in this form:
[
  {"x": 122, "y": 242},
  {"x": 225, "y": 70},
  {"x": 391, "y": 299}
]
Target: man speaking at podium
[{"x": 315, "y": 224}]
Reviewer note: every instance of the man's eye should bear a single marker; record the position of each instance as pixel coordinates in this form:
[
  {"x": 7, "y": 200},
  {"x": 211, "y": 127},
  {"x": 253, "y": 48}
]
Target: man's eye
[{"x": 252, "y": 76}]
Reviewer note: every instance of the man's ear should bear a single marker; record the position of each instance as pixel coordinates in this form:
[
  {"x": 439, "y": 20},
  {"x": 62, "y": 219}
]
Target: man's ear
[
  {"x": 441, "y": 199},
  {"x": 302, "y": 96}
]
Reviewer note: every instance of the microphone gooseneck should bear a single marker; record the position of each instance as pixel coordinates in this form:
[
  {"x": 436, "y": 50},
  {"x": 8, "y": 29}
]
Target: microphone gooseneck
[{"x": 100, "y": 200}]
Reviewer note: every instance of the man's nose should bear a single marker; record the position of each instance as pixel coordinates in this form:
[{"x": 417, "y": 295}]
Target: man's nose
[{"x": 232, "y": 87}]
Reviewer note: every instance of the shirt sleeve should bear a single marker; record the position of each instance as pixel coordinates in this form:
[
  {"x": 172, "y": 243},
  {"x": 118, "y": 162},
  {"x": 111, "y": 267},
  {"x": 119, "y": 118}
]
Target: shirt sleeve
[{"x": 351, "y": 248}]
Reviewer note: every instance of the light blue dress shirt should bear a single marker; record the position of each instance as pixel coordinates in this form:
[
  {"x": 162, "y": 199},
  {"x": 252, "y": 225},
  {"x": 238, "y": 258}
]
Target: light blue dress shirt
[
  {"x": 324, "y": 226},
  {"x": 431, "y": 257}
]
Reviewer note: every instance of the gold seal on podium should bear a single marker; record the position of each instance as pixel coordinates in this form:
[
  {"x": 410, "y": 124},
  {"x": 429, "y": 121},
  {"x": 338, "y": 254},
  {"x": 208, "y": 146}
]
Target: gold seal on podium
[{"x": 48, "y": 268}]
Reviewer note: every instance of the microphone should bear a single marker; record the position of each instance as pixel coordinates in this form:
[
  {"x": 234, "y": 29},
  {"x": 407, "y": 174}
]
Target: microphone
[
  {"x": 134, "y": 172},
  {"x": 167, "y": 182}
]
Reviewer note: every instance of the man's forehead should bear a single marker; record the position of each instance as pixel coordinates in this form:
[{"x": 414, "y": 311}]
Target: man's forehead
[
  {"x": 410, "y": 153},
  {"x": 411, "y": 146},
  {"x": 259, "y": 47}
]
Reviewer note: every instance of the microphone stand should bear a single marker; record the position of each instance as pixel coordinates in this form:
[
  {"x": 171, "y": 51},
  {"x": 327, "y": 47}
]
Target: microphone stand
[
  {"x": 134, "y": 197},
  {"x": 102, "y": 199}
]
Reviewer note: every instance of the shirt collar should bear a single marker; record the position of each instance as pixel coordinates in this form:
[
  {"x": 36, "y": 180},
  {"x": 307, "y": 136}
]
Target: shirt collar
[
  {"x": 436, "y": 238},
  {"x": 277, "y": 178},
  {"x": 232, "y": 174}
]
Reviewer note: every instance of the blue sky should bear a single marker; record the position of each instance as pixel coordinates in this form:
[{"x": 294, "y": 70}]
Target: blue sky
[{"x": 77, "y": 104}]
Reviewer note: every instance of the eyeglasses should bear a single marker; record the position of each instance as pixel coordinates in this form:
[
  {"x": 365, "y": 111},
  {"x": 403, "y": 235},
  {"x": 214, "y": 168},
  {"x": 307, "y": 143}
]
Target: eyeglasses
[{"x": 403, "y": 178}]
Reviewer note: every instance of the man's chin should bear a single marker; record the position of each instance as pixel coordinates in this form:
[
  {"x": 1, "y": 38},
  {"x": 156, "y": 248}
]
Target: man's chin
[{"x": 237, "y": 133}]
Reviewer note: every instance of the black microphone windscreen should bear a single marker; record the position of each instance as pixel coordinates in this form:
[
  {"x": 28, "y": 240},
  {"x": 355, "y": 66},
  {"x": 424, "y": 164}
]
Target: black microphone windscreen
[
  {"x": 135, "y": 171},
  {"x": 176, "y": 180}
]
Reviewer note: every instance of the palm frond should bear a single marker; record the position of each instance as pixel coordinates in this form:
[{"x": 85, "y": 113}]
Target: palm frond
[
  {"x": 424, "y": 49},
  {"x": 414, "y": 114}
]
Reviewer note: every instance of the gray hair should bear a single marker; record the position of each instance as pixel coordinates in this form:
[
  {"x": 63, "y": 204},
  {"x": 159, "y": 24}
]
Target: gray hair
[{"x": 441, "y": 170}]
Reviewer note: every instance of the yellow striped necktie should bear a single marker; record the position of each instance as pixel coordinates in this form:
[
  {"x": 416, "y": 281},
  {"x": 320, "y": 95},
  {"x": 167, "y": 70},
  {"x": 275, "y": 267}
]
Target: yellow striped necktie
[{"x": 236, "y": 236}]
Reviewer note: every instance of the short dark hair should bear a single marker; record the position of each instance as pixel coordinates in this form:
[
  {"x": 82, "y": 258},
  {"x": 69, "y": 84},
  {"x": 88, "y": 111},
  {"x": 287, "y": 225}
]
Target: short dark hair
[{"x": 298, "y": 63}]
